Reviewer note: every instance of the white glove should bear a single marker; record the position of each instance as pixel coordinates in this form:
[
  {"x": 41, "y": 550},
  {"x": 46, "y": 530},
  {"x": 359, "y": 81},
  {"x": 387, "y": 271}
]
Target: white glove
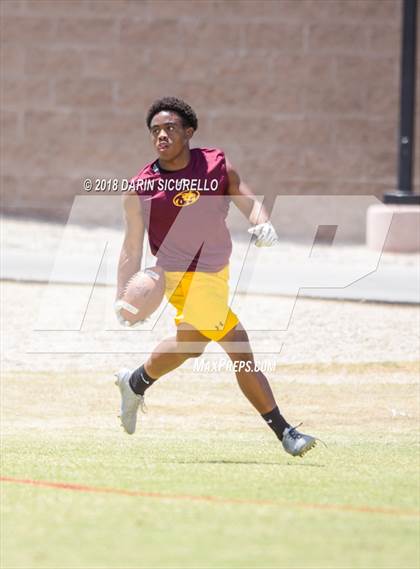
[
  {"x": 265, "y": 234},
  {"x": 118, "y": 306}
]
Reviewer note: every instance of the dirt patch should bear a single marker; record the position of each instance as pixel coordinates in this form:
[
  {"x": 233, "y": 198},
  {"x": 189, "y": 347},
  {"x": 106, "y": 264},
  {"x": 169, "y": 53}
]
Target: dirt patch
[{"x": 320, "y": 332}]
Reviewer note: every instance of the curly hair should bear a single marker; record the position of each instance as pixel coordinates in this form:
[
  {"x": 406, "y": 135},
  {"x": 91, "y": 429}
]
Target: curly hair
[{"x": 188, "y": 116}]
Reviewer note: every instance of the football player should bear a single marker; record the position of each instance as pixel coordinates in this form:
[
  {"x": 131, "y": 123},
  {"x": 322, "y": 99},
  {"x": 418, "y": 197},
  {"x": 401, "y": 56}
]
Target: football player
[{"x": 181, "y": 199}]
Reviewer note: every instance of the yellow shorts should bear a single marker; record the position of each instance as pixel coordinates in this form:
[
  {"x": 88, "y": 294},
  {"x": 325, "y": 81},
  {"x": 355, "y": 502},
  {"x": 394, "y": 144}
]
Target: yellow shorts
[{"x": 201, "y": 300}]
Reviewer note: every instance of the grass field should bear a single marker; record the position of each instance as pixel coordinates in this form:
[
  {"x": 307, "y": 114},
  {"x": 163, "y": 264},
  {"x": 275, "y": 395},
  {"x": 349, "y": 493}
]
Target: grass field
[{"x": 204, "y": 483}]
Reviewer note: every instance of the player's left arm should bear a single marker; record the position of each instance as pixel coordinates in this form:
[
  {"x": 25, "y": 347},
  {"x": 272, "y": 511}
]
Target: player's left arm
[{"x": 246, "y": 201}]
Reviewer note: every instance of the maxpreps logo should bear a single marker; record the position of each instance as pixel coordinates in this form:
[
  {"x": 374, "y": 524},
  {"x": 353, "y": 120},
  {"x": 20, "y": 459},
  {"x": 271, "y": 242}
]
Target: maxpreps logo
[{"x": 187, "y": 197}]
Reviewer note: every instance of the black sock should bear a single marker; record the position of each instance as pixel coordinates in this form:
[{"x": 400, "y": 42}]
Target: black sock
[
  {"x": 276, "y": 422},
  {"x": 140, "y": 380}
]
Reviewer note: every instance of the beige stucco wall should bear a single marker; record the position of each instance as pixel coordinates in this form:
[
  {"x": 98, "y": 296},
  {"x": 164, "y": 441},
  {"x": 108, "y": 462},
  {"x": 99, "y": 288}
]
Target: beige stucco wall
[{"x": 302, "y": 95}]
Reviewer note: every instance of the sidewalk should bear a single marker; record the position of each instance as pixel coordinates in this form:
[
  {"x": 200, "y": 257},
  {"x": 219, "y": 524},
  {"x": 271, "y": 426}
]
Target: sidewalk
[{"x": 36, "y": 251}]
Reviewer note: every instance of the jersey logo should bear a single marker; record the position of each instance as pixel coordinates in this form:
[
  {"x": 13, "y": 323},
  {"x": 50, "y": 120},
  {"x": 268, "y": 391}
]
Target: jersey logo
[{"x": 187, "y": 197}]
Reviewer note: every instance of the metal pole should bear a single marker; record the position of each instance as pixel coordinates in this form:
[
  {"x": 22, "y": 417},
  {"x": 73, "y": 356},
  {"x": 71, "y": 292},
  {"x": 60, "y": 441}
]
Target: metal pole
[{"x": 404, "y": 194}]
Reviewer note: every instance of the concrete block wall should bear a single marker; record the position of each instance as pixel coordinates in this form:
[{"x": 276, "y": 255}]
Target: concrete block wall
[{"x": 301, "y": 94}]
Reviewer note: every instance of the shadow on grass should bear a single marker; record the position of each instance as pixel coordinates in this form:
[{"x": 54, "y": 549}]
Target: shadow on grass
[{"x": 256, "y": 462}]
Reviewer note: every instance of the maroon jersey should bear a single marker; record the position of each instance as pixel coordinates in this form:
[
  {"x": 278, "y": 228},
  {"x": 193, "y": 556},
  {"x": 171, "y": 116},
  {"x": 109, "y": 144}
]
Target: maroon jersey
[{"x": 185, "y": 212}]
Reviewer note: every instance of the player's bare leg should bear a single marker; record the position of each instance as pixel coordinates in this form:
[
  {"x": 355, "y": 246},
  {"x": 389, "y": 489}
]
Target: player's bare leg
[
  {"x": 257, "y": 390},
  {"x": 188, "y": 343},
  {"x": 167, "y": 356},
  {"x": 254, "y": 385},
  {"x": 174, "y": 351}
]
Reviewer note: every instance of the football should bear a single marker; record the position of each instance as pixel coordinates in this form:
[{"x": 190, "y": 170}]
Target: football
[{"x": 143, "y": 294}]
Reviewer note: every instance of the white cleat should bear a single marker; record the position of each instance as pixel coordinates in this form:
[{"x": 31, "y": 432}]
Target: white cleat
[
  {"x": 296, "y": 443},
  {"x": 130, "y": 401}
]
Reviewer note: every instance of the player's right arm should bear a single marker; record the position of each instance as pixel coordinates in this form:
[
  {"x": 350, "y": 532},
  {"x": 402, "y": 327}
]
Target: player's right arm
[{"x": 132, "y": 247}]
